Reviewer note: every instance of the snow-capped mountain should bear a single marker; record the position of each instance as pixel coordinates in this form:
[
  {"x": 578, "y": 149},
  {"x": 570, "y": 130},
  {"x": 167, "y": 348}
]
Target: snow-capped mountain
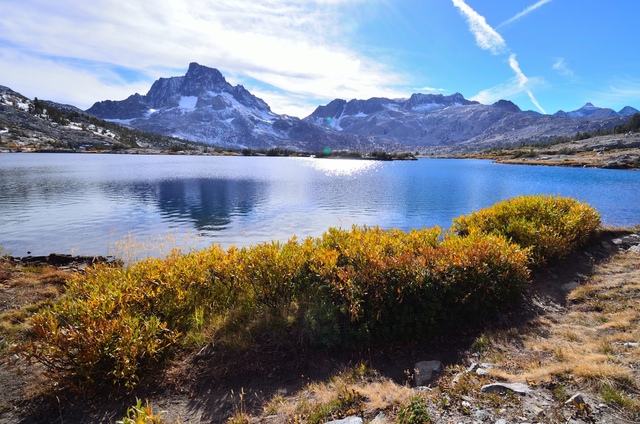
[
  {"x": 203, "y": 106},
  {"x": 426, "y": 120}
]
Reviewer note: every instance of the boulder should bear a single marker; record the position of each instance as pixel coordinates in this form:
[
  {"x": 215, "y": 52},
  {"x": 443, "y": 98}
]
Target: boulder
[{"x": 424, "y": 371}]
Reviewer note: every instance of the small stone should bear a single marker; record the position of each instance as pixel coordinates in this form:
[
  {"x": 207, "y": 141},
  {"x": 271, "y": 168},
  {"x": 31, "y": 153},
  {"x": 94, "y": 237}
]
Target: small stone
[
  {"x": 381, "y": 418},
  {"x": 482, "y": 371},
  {"x": 576, "y": 400},
  {"x": 348, "y": 420},
  {"x": 519, "y": 388},
  {"x": 635, "y": 249},
  {"x": 501, "y": 421}
]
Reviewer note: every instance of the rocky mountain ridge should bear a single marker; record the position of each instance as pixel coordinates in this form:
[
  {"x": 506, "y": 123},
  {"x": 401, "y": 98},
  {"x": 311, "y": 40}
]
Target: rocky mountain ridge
[{"x": 202, "y": 106}]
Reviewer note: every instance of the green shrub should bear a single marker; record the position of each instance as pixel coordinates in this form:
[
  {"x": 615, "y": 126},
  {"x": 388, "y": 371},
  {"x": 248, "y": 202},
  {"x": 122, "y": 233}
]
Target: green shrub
[
  {"x": 549, "y": 226},
  {"x": 414, "y": 412}
]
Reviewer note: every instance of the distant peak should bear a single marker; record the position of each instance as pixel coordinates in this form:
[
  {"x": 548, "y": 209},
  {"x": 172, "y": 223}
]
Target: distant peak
[
  {"x": 588, "y": 105},
  {"x": 507, "y": 105}
]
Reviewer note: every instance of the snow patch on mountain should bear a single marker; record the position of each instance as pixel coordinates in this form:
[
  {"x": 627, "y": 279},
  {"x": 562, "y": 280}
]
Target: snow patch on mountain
[{"x": 188, "y": 102}]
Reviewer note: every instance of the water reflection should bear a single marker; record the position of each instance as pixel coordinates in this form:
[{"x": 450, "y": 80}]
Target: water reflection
[{"x": 208, "y": 203}]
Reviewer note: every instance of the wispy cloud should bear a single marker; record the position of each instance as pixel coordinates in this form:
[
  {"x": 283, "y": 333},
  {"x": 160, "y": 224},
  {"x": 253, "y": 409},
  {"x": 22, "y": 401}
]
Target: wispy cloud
[
  {"x": 486, "y": 37},
  {"x": 561, "y": 66},
  {"x": 524, "y": 13},
  {"x": 281, "y": 46},
  {"x": 619, "y": 93}
]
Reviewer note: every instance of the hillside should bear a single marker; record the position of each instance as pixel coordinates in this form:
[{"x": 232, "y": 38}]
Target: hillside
[{"x": 33, "y": 125}]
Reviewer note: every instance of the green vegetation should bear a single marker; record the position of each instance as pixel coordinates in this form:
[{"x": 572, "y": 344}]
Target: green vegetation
[
  {"x": 345, "y": 289},
  {"x": 414, "y": 412}
]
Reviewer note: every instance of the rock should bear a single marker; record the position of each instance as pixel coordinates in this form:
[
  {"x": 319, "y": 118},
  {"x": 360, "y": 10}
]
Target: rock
[
  {"x": 501, "y": 421},
  {"x": 627, "y": 344},
  {"x": 458, "y": 376},
  {"x": 381, "y": 418},
  {"x": 519, "y": 388},
  {"x": 570, "y": 286},
  {"x": 57, "y": 259},
  {"x": 348, "y": 420},
  {"x": 627, "y": 241},
  {"x": 635, "y": 249},
  {"x": 425, "y": 370},
  {"x": 578, "y": 401}
]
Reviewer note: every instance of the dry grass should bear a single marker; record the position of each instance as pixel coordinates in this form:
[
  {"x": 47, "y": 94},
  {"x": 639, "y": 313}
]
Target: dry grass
[
  {"x": 357, "y": 390},
  {"x": 25, "y": 290},
  {"x": 586, "y": 345}
]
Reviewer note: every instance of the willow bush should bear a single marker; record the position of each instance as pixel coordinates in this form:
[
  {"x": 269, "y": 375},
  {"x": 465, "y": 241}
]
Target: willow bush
[
  {"x": 549, "y": 226},
  {"x": 344, "y": 289}
]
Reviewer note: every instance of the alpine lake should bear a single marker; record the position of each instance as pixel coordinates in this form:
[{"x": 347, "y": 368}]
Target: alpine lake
[{"x": 104, "y": 204}]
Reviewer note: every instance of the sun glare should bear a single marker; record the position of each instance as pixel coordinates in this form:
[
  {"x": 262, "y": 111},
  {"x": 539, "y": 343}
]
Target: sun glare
[{"x": 342, "y": 167}]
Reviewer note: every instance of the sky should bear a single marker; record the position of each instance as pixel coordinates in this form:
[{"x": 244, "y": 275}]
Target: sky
[{"x": 544, "y": 55}]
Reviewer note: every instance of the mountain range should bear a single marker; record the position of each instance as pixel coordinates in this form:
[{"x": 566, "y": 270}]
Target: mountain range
[{"x": 202, "y": 106}]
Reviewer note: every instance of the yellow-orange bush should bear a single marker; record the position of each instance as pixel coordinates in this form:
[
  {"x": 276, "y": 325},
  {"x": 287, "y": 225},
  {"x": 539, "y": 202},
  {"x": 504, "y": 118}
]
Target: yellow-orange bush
[
  {"x": 550, "y": 226},
  {"x": 346, "y": 288}
]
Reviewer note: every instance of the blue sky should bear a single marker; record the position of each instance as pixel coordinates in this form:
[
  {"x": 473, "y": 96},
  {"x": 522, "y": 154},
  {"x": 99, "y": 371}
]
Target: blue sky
[{"x": 544, "y": 55}]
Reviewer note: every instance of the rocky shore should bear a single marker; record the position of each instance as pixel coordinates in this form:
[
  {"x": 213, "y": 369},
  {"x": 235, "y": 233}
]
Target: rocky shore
[{"x": 608, "y": 152}]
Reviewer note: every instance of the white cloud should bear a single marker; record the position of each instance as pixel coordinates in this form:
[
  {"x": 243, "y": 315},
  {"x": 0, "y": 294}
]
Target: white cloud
[
  {"x": 486, "y": 37},
  {"x": 430, "y": 89},
  {"x": 524, "y": 13},
  {"x": 560, "y": 65},
  {"x": 52, "y": 80},
  {"x": 288, "y": 45}
]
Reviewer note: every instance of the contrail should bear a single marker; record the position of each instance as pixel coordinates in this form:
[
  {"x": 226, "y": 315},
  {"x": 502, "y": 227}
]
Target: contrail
[
  {"x": 522, "y": 81},
  {"x": 524, "y": 12},
  {"x": 486, "y": 37}
]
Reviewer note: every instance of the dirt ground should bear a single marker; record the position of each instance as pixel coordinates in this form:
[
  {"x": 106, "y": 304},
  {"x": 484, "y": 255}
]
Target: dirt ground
[{"x": 210, "y": 386}]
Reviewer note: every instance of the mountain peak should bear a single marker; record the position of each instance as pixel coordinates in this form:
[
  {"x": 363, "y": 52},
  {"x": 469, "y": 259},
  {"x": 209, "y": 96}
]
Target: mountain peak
[{"x": 507, "y": 105}]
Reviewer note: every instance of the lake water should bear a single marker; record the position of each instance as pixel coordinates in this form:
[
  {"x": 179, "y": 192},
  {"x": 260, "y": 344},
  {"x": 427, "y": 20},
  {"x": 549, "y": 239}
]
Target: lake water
[{"x": 87, "y": 204}]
